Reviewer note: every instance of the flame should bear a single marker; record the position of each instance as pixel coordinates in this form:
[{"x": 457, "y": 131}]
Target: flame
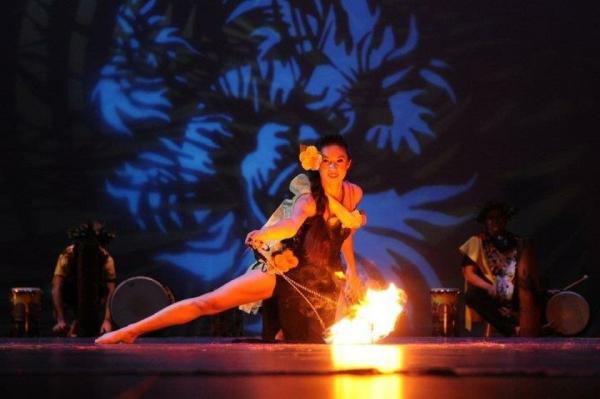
[
  {"x": 371, "y": 320},
  {"x": 385, "y": 359},
  {"x": 361, "y": 387}
]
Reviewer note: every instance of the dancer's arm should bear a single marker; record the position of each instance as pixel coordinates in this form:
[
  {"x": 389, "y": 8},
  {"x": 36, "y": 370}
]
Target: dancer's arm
[
  {"x": 57, "y": 284},
  {"x": 348, "y": 244},
  {"x": 473, "y": 278},
  {"x": 349, "y": 218},
  {"x": 107, "y": 323},
  {"x": 304, "y": 207},
  {"x": 348, "y": 253},
  {"x": 354, "y": 288},
  {"x": 60, "y": 271},
  {"x": 353, "y": 283}
]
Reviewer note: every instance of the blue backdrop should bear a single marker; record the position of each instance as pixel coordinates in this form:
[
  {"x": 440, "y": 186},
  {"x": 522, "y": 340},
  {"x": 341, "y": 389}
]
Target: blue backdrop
[{"x": 178, "y": 123}]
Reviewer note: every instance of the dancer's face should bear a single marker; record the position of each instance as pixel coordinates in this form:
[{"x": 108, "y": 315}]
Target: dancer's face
[
  {"x": 335, "y": 163},
  {"x": 495, "y": 222}
]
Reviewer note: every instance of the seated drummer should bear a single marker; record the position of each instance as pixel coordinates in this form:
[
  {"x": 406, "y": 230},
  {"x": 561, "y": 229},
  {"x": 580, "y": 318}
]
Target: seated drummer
[
  {"x": 83, "y": 281},
  {"x": 500, "y": 276}
]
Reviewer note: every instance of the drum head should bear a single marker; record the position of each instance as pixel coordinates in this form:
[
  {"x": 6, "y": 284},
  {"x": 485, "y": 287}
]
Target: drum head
[
  {"x": 568, "y": 313},
  {"x": 445, "y": 291},
  {"x": 137, "y": 298},
  {"x": 26, "y": 295}
]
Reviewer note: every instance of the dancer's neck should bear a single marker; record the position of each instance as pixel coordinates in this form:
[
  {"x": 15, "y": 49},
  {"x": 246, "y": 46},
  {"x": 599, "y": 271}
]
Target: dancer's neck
[{"x": 335, "y": 189}]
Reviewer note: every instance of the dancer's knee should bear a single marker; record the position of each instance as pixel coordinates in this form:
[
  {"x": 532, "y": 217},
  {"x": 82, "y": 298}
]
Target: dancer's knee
[
  {"x": 207, "y": 305},
  {"x": 473, "y": 297},
  {"x": 479, "y": 300}
]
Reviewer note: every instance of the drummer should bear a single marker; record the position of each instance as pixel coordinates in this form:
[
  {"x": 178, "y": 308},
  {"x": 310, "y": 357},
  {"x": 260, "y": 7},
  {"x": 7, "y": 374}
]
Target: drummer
[
  {"x": 500, "y": 276},
  {"x": 65, "y": 293}
]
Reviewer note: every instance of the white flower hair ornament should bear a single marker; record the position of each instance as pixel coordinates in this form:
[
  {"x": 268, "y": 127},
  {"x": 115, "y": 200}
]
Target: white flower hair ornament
[{"x": 310, "y": 157}]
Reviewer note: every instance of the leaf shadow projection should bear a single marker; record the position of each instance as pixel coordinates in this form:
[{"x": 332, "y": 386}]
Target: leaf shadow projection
[{"x": 268, "y": 76}]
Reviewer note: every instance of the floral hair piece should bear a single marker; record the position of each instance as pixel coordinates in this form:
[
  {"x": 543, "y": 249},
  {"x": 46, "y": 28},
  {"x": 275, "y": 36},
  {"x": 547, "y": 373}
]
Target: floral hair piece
[{"x": 310, "y": 157}]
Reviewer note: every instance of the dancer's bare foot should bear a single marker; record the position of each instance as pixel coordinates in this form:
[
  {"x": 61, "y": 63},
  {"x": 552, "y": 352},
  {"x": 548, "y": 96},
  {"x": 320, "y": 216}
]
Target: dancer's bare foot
[{"x": 123, "y": 335}]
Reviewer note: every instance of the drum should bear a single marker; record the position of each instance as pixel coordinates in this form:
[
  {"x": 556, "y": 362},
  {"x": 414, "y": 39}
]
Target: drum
[
  {"x": 444, "y": 312},
  {"x": 137, "y": 298},
  {"x": 567, "y": 313},
  {"x": 25, "y": 310}
]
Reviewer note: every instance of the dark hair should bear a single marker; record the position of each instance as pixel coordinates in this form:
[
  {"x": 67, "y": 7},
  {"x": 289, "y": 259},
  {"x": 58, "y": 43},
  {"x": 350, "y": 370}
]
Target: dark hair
[
  {"x": 86, "y": 283},
  {"x": 316, "y": 188},
  {"x": 318, "y": 242},
  {"x": 91, "y": 230},
  {"x": 334, "y": 139},
  {"x": 504, "y": 208}
]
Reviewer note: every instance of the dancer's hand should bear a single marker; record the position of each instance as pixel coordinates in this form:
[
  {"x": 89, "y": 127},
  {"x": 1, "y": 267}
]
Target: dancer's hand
[
  {"x": 60, "y": 327},
  {"x": 123, "y": 335},
  {"x": 105, "y": 327},
  {"x": 491, "y": 290},
  {"x": 505, "y": 311},
  {"x": 354, "y": 290},
  {"x": 255, "y": 238}
]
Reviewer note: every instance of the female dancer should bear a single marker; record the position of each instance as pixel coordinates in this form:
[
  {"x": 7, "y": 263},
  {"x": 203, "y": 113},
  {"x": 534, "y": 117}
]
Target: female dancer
[{"x": 319, "y": 228}]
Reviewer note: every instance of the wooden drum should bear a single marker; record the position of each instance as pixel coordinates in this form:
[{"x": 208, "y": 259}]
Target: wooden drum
[{"x": 25, "y": 310}]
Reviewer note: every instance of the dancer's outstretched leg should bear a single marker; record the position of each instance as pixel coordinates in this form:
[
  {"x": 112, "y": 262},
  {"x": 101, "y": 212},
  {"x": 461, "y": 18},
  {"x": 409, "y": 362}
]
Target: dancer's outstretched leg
[{"x": 249, "y": 287}]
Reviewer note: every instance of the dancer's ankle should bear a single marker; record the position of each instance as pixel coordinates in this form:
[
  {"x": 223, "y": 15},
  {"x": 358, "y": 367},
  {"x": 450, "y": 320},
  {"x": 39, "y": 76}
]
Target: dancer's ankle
[{"x": 133, "y": 330}]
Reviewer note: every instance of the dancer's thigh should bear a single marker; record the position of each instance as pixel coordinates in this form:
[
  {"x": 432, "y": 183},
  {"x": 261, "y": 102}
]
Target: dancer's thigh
[{"x": 249, "y": 287}]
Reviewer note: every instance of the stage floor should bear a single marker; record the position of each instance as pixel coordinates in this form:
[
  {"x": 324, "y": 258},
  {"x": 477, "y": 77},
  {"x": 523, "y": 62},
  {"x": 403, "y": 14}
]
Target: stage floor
[{"x": 201, "y": 368}]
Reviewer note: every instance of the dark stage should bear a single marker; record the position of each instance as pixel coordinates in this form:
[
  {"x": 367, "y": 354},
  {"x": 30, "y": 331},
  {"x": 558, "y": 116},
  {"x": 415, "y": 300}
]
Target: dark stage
[
  {"x": 178, "y": 124},
  {"x": 415, "y": 367}
]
